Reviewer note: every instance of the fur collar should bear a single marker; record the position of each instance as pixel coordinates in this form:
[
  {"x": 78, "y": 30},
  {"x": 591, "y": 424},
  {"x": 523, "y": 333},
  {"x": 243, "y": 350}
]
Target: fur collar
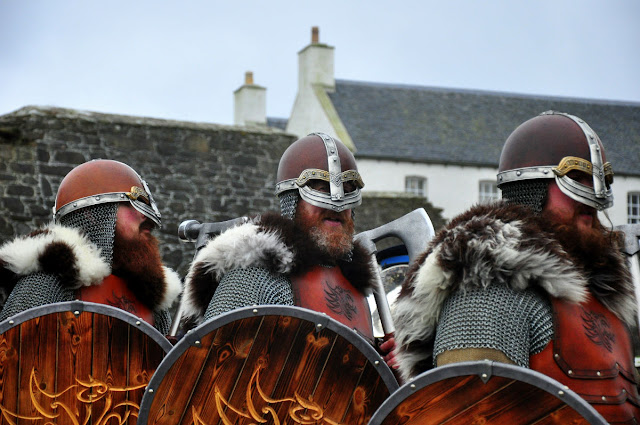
[
  {"x": 496, "y": 244},
  {"x": 66, "y": 253},
  {"x": 269, "y": 241}
]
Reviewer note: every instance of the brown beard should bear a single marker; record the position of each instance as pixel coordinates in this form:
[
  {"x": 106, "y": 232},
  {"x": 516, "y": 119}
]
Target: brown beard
[
  {"x": 589, "y": 246},
  {"x": 336, "y": 245},
  {"x": 139, "y": 262}
]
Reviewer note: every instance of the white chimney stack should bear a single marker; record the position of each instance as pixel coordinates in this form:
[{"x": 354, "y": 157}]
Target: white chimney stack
[{"x": 250, "y": 103}]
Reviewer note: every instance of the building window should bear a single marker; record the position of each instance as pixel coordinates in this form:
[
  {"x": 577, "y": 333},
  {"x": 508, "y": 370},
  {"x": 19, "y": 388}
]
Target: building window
[
  {"x": 488, "y": 191},
  {"x": 416, "y": 185},
  {"x": 633, "y": 207}
]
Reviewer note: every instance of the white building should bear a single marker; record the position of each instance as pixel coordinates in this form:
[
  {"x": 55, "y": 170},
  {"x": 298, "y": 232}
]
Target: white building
[{"x": 442, "y": 143}]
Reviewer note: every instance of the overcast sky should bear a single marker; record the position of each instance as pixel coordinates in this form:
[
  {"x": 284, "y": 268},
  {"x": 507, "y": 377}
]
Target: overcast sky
[{"x": 183, "y": 59}]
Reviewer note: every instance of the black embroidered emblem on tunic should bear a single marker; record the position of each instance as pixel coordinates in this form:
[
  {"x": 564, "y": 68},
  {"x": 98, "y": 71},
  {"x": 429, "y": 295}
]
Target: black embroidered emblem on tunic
[
  {"x": 339, "y": 300},
  {"x": 598, "y": 330}
]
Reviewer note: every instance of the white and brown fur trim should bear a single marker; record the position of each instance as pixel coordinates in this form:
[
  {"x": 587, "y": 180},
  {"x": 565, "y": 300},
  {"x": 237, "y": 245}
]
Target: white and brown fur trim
[
  {"x": 69, "y": 255},
  {"x": 268, "y": 241},
  {"x": 492, "y": 245}
]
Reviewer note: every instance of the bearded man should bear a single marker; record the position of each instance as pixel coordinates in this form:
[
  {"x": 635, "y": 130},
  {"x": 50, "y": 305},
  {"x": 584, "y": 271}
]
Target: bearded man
[
  {"x": 536, "y": 280},
  {"x": 304, "y": 256},
  {"x": 100, "y": 248}
]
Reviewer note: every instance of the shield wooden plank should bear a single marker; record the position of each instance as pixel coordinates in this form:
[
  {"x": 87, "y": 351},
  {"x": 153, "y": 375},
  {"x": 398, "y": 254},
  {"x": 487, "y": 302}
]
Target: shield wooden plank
[
  {"x": 268, "y": 364},
  {"x": 484, "y": 392},
  {"x": 76, "y": 363}
]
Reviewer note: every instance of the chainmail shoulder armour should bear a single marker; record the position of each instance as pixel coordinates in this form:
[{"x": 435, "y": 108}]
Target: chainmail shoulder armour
[
  {"x": 50, "y": 290},
  {"x": 517, "y": 323},
  {"x": 247, "y": 287},
  {"x": 23, "y": 296}
]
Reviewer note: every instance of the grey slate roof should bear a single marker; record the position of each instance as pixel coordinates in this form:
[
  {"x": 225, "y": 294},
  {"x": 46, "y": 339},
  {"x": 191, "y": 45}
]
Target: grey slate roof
[
  {"x": 467, "y": 127},
  {"x": 280, "y": 123}
]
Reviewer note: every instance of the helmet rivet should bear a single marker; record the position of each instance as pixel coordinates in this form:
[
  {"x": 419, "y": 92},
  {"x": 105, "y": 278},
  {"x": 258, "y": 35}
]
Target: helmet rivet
[
  {"x": 545, "y": 171},
  {"x": 75, "y": 204},
  {"x": 500, "y": 178},
  {"x": 97, "y": 198},
  {"x": 122, "y": 195},
  {"x": 518, "y": 173},
  {"x": 335, "y": 159}
]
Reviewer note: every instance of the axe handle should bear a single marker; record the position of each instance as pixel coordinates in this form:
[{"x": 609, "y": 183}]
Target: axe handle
[{"x": 382, "y": 302}]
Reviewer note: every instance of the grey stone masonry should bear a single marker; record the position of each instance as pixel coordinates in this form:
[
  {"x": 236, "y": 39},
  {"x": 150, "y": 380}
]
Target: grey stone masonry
[
  {"x": 204, "y": 172},
  {"x": 198, "y": 171}
]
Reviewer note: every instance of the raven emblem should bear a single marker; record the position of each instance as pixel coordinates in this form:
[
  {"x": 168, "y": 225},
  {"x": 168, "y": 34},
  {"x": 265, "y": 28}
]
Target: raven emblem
[
  {"x": 339, "y": 300},
  {"x": 597, "y": 329}
]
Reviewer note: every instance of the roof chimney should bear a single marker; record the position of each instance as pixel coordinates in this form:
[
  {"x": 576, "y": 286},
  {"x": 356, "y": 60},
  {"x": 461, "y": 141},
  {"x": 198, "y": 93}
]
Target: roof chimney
[
  {"x": 250, "y": 103},
  {"x": 248, "y": 77},
  {"x": 315, "y": 63}
]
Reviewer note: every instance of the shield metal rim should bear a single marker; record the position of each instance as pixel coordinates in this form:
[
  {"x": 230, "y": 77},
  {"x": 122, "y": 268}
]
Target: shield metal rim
[
  {"x": 78, "y": 307},
  {"x": 322, "y": 321},
  {"x": 486, "y": 369}
]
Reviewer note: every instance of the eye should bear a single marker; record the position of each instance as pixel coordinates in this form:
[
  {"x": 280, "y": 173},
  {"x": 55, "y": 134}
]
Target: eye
[
  {"x": 350, "y": 186},
  {"x": 581, "y": 177},
  {"x": 319, "y": 185}
]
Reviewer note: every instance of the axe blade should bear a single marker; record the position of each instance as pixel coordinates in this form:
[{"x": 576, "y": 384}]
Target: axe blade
[{"x": 414, "y": 229}]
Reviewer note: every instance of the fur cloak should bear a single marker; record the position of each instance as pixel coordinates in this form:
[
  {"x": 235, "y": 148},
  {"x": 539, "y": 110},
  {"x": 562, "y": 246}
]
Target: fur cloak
[
  {"x": 269, "y": 241},
  {"x": 498, "y": 245},
  {"x": 69, "y": 255}
]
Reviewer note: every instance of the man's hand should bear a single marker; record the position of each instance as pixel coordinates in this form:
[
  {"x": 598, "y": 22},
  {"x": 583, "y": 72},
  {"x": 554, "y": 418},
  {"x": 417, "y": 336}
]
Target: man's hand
[{"x": 387, "y": 350}]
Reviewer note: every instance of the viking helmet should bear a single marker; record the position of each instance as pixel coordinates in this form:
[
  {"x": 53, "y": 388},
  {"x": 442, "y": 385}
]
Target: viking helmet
[
  {"x": 104, "y": 181},
  {"x": 320, "y": 157},
  {"x": 551, "y": 145}
]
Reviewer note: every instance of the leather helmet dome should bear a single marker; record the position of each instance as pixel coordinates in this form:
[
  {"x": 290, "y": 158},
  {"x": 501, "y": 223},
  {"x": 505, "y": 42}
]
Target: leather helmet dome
[
  {"x": 319, "y": 156},
  {"x": 102, "y": 181},
  {"x": 551, "y": 145}
]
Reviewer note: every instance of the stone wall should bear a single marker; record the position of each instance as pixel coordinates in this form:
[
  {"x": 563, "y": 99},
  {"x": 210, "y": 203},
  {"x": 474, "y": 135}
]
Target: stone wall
[{"x": 198, "y": 171}]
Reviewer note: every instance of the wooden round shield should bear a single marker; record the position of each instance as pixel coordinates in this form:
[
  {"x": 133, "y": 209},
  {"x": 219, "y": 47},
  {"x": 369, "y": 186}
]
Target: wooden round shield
[
  {"x": 76, "y": 363},
  {"x": 271, "y": 365},
  {"x": 484, "y": 392}
]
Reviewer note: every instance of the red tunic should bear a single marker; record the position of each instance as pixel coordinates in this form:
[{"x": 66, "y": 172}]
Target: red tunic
[
  {"x": 326, "y": 290},
  {"x": 114, "y": 291},
  {"x": 592, "y": 354}
]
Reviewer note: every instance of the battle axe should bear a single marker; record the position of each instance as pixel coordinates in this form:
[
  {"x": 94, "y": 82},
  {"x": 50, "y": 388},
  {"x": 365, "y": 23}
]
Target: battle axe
[{"x": 415, "y": 230}]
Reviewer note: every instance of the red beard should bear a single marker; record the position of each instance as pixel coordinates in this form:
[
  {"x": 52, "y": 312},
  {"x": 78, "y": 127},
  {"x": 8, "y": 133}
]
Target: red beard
[
  {"x": 337, "y": 243},
  {"x": 138, "y": 261},
  {"x": 589, "y": 246}
]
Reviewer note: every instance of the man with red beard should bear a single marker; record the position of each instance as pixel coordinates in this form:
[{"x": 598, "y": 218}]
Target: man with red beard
[
  {"x": 99, "y": 249},
  {"x": 304, "y": 256},
  {"x": 535, "y": 280}
]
